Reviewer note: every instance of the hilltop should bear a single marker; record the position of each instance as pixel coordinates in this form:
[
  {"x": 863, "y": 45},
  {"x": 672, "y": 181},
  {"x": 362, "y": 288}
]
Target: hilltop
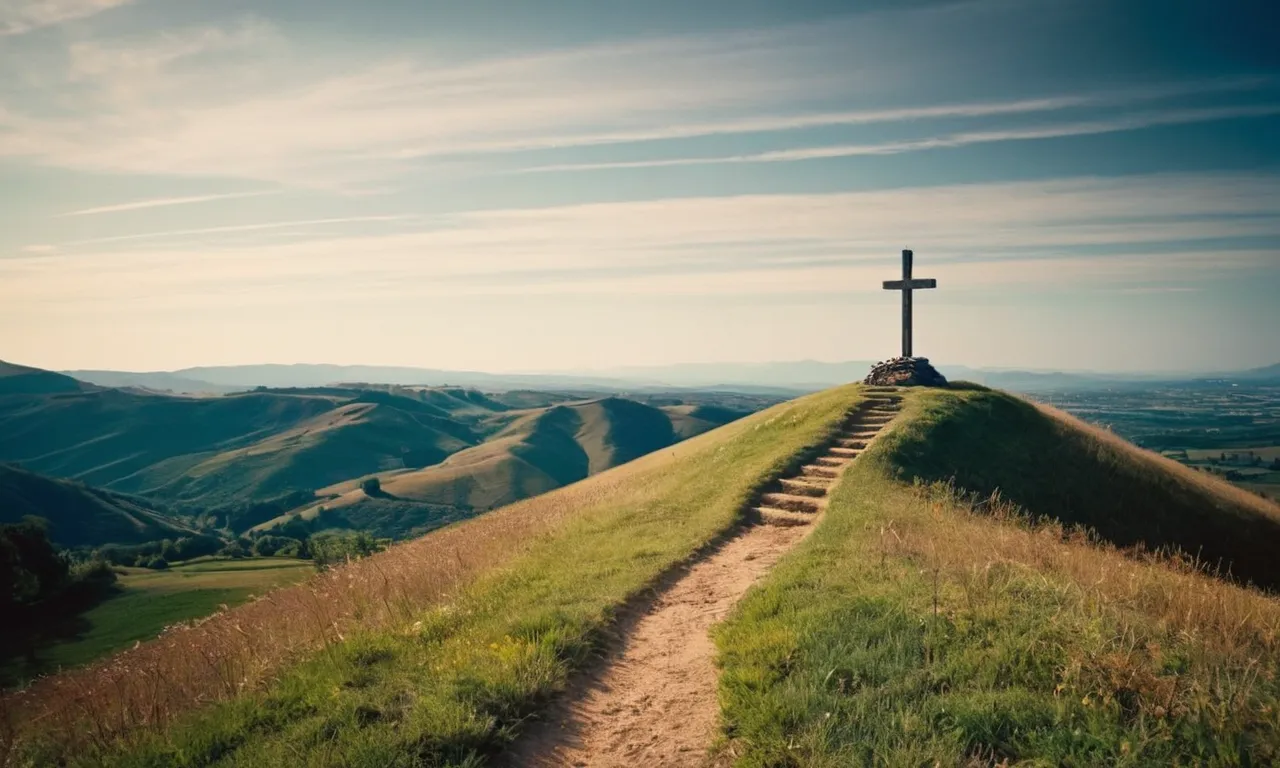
[
  {"x": 926, "y": 619},
  {"x": 22, "y": 380}
]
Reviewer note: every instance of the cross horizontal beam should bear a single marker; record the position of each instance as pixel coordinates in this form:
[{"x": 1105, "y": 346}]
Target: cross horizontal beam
[{"x": 910, "y": 285}]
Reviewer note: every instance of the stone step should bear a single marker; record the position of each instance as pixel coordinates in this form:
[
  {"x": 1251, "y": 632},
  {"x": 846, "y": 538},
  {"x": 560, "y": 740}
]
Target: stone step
[
  {"x": 817, "y": 470},
  {"x": 852, "y": 442},
  {"x": 845, "y": 453},
  {"x": 835, "y": 462},
  {"x": 791, "y": 502},
  {"x": 781, "y": 517},
  {"x": 802, "y": 488},
  {"x": 859, "y": 434}
]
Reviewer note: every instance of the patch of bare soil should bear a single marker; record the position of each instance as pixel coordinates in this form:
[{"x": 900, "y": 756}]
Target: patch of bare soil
[{"x": 654, "y": 703}]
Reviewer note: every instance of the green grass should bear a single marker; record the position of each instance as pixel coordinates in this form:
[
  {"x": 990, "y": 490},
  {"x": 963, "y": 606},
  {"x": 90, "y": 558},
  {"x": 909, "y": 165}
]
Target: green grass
[
  {"x": 456, "y": 684},
  {"x": 911, "y": 630},
  {"x": 149, "y": 601}
]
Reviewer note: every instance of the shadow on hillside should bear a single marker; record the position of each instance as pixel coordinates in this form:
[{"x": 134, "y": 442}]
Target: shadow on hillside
[
  {"x": 987, "y": 441},
  {"x": 23, "y": 642}
]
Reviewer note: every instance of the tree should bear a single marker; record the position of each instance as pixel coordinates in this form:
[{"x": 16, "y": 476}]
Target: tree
[
  {"x": 233, "y": 549},
  {"x": 266, "y": 546},
  {"x": 30, "y": 568},
  {"x": 330, "y": 549},
  {"x": 371, "y": 486}
]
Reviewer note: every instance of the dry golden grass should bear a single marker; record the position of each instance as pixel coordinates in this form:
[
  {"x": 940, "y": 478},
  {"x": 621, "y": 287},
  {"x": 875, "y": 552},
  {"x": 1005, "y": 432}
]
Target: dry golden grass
[
  {"x": 242, "y": 648},
  {"x": 1175, "y": 643},
  {"x": 983, "y": 542}
]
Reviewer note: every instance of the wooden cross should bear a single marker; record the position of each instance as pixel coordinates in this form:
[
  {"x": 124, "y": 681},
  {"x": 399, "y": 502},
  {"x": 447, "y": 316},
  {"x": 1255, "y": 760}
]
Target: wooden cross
[{"x": 907, "y": 285}]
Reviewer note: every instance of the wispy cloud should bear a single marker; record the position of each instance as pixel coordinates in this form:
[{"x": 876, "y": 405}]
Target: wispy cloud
[
  {"x": 974, "y": 236},
  {"x": 166, "y": 201},
  {"x": 20, "y": 16},
  {"x": 1083, "y": 128},
  {"x": 241, "y": 100},
  {"x": 238, "y": 228},
  {"x": 799, "y": 121},
  {"x": 1157, "y": 289}
]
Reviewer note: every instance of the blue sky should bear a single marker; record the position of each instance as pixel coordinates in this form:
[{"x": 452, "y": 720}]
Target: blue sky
[{"x": 515, "y": 186}]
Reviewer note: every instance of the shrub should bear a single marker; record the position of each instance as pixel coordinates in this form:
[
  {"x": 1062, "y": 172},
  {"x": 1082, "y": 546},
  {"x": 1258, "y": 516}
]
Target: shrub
[
  {"x": 157, "y": 563},
  {"x": 233, "y": 549},
  {"x": 266, "y": 546},
  {"x": 331, "y": 549},
  {"x": 371, "y": 486}
]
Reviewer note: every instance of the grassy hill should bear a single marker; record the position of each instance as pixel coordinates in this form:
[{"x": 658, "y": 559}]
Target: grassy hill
[
  {"x": 136, "y": 442},
  {"x": 538, "y": 450},
  {"x": 443, "y": 453},
  {"x": 458, "y": 633},
  {"x": 82, "y": 516},
  {"x": 927, "y": 620},
  {"x": 21, "y": 380},
  {"x": 930, "y": 622}
]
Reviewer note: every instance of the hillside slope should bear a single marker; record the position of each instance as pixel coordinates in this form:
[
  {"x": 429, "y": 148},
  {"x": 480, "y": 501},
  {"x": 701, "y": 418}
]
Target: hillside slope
[
  {"x": 935, "y": 624},
  {"x": 22, "y": 380},
  {"x": 411, "y": 679},
  {"x": 1055, "y": 466},
  {"x": 213, "y": 450},
  {"x": 537, "y": 451},
  {"x": 82, "y": 516},
  {"x": 210, "y": 453},
  {"x": 918, "y": 624},
  {"x": 137, "y": 442}
]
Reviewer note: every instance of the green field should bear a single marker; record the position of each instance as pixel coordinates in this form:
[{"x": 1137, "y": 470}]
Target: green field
[
  {"x": 1267, "y": 452},
  {"x": 150, "y": 600}
]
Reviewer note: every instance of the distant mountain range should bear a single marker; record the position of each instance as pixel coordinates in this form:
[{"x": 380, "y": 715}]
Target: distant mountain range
[{"x": 783, "y": 379}]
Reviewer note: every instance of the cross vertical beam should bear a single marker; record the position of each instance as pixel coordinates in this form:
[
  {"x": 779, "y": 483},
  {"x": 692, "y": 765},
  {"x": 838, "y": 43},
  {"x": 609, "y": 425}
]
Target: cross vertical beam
[
  {"x": 907, "y": 258},
  {"x": 907, "y": 285}
]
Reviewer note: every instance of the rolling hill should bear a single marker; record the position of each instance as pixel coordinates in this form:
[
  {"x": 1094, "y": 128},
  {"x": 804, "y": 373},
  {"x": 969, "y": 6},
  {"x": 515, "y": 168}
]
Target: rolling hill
[
  {"x": 945, "y": 606},
  {"x": 538, "y": 450},
  {"x": 22, "y": 380},
  {"x": 82, "y": 516},
  {"x": 442, "y": 452}
]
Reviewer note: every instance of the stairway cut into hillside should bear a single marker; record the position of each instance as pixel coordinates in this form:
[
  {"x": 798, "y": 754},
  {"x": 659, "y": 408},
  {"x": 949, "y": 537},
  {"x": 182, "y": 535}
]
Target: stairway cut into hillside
[{"x": 652, "y": 700}]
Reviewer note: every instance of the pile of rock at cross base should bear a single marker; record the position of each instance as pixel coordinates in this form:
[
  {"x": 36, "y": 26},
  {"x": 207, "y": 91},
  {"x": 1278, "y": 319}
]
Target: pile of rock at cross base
[{"x": 905, "y": 372}]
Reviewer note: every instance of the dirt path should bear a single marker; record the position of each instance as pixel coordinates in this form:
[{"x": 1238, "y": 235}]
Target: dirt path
[{"x": 652, "y": 702}]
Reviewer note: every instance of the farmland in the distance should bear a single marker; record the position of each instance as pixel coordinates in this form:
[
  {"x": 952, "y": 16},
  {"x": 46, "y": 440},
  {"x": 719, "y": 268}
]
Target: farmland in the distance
[{"x": 1228, "y": 430}]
